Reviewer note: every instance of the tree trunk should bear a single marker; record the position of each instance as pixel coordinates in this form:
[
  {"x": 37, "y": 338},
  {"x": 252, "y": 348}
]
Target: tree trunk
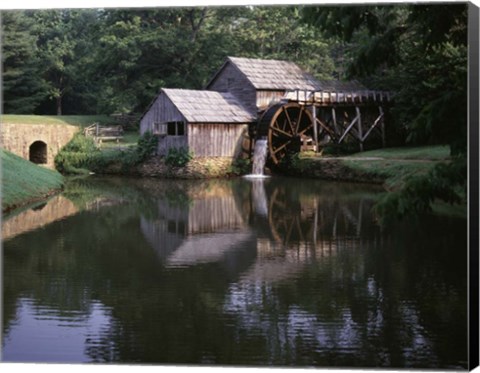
[{"x": 59, "y": 105}]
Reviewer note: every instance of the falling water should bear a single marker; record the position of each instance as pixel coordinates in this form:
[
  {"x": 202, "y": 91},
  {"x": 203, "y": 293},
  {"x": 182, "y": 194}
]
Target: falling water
[{"x": 259, "y": 156}]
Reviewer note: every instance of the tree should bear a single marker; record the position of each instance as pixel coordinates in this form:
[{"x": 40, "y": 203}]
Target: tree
[
  {"x": 24, "y": 86},
  {"x": 420, "y": 53}
]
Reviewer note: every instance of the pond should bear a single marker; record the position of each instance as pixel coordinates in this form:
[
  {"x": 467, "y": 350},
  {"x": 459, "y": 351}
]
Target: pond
[{"x": 277, "y": 272}]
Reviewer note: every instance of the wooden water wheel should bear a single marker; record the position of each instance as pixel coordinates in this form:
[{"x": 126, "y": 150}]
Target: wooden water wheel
[{"x": 286, "y": 126}]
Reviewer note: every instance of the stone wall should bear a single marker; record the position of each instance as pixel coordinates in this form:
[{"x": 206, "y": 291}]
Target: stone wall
[{"x": 18, "y": 138}]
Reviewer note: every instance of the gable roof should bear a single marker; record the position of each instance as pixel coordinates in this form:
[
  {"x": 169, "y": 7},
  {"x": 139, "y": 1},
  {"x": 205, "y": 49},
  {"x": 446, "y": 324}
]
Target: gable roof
[
  {"x": 208, "y": 106},
  {"x": 272, "y": 74}
]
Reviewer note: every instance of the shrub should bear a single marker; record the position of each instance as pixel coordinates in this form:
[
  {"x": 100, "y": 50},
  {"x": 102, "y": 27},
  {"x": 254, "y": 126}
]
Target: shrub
[
  {"x": 146, "y": 146},
  {"x": 77, "y": 155},
  {"x": 241, "y": 166},
  {"x": 81, "y": 155},
  {"x": 178, "y": 157}
]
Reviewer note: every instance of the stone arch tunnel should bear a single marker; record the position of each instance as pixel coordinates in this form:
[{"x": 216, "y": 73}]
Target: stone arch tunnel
[
  {"x": 38, "y": 143},
  {"x": 38, "y": 153}
]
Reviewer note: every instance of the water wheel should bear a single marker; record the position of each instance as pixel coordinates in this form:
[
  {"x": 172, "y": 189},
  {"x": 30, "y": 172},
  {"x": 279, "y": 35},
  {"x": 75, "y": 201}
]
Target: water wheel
[{"x": 286, "y": 126}]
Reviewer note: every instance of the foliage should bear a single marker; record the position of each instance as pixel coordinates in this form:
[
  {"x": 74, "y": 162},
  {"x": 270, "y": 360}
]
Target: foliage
[
  {"x": 178, "y": 157},
  {"x": 95, "y": 61},
  {"x": 23, "y": 86},
  {"x": 240, "y": 166},
  {"x": 81, "y": 155},
  {"x": 421, "y": 191},
  {"x": 420, "y": 53},
  {"x": 146, "y": 146},
  {"x": 23, "y": 181},
  {"x": 76, "y": 157}
]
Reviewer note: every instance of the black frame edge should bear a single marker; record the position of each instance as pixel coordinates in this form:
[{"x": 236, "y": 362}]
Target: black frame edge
[{"x": 473, "y": 112}]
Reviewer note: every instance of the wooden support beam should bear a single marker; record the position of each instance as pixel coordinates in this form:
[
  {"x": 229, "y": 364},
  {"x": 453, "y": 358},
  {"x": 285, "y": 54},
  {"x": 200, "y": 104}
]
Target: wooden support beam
[
  {"x": 315, "y": 129},
  {"x": 360, "y": 137},
  {"x": 355, "y": 120},
  {"x": 378, "y": 120},
  {"x": 334, "y": 117},
  {"x": 382, "y": 126},
  {"x": 325, "y": 127}
]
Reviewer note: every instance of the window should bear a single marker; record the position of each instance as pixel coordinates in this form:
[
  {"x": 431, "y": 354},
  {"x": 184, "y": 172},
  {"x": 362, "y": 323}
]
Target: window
[
  {"x": 172, "y": 128},
  {"x": 159, "y": 128},
  {"x": 180, "y": 129},
  {"x": 176, "y": 129},
  {"x": 169, "y": 128}
]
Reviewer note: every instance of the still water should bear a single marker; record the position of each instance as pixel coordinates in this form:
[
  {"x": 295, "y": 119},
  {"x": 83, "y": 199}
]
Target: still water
[{"x": 246, "y": 272}]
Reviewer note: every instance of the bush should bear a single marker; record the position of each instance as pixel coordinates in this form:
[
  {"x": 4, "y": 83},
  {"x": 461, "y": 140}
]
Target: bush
[
  {"x": 178, "y": 157},
  {"x": 81, "y": 155},
  {"x": 241, "y": 166},
  {"x": 77, "y": 155},
  {"x": 146, "y": 146}
]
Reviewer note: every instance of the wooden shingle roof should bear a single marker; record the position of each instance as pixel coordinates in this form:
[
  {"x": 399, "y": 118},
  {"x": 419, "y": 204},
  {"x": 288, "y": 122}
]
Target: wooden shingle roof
[
  {"x": 274, "y": 74},
  {"x": 208, "y": 106}
]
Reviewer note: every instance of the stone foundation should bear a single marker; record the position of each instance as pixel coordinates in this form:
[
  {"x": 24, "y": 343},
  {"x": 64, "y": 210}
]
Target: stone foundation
[{"x": 197, "y": 168}]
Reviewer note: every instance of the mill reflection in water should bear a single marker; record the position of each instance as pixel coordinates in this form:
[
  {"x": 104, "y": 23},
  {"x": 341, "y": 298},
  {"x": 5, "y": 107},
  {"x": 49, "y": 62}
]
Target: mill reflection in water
[{"x": 247, "y": 272}]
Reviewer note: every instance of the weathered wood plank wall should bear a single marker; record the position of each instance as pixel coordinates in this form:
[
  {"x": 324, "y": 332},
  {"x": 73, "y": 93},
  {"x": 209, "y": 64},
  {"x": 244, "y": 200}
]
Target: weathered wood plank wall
[
  {"x": 230, "y": 79},
  {"x": 215, "y": 139},
  {"x": 162, "y": 110},
  {"x": 267, "y": 98}
]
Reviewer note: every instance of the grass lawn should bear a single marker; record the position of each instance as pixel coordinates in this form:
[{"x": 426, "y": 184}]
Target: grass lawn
[
  {"x": 23, "y": 181},
  {"x": 394, "y": 165},
  {"x": 75, "y": 120},
  {"x": 398, "y": 164},
  {"x": 130, "y": 138},
  {"x": 425, "y": 153}
]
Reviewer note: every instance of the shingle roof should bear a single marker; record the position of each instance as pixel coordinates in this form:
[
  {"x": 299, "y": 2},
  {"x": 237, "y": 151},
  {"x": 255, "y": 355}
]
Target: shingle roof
[
  {"x": 208, "y": 106},
  {"x": 274, "y": 74}
]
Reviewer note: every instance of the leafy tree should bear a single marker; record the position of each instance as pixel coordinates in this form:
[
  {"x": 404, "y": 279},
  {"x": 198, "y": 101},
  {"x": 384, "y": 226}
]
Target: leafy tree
[
  {"x": 420, "y": 53},
  {"x": 65, "y": 41},
  {"x": 116, "y": 60}
]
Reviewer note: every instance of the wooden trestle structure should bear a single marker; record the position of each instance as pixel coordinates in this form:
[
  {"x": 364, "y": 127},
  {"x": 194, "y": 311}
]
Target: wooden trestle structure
[{"x": 310, "y": 119}]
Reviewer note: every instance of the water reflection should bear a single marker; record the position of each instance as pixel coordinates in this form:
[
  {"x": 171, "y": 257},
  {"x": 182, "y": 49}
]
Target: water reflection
[
  {"x": 246, "y": 272},
  {"x": 56, "y": 208}
]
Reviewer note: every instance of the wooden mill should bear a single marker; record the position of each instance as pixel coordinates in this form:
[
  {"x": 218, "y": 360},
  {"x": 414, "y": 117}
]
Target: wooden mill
[{"x": 254, "y": 98}]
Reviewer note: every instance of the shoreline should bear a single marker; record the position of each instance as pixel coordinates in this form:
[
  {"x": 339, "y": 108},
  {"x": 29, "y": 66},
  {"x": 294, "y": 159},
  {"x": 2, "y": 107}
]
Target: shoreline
[{"x": 30, "y": 201}]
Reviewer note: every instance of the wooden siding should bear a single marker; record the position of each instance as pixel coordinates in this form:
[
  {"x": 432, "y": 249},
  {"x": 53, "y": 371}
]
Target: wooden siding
[
  {"x": 232, "y": 80},
  {"x": 267, "y": 98},
  {"x": 162, "y": 110},
  {"x": 216, "y": 139},
  {"x": 168, "y": 142}
]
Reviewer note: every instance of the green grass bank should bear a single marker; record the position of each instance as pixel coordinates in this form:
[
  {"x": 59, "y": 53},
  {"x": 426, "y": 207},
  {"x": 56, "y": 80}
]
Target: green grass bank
[
  {"x": 389, "y": 166},
  {"x": 74, "y": 120},
  {"x": 24, "y": 182}
]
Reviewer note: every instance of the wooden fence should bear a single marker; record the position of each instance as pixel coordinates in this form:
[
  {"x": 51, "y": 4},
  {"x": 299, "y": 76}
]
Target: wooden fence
[{"x": 104, "y": 133}]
